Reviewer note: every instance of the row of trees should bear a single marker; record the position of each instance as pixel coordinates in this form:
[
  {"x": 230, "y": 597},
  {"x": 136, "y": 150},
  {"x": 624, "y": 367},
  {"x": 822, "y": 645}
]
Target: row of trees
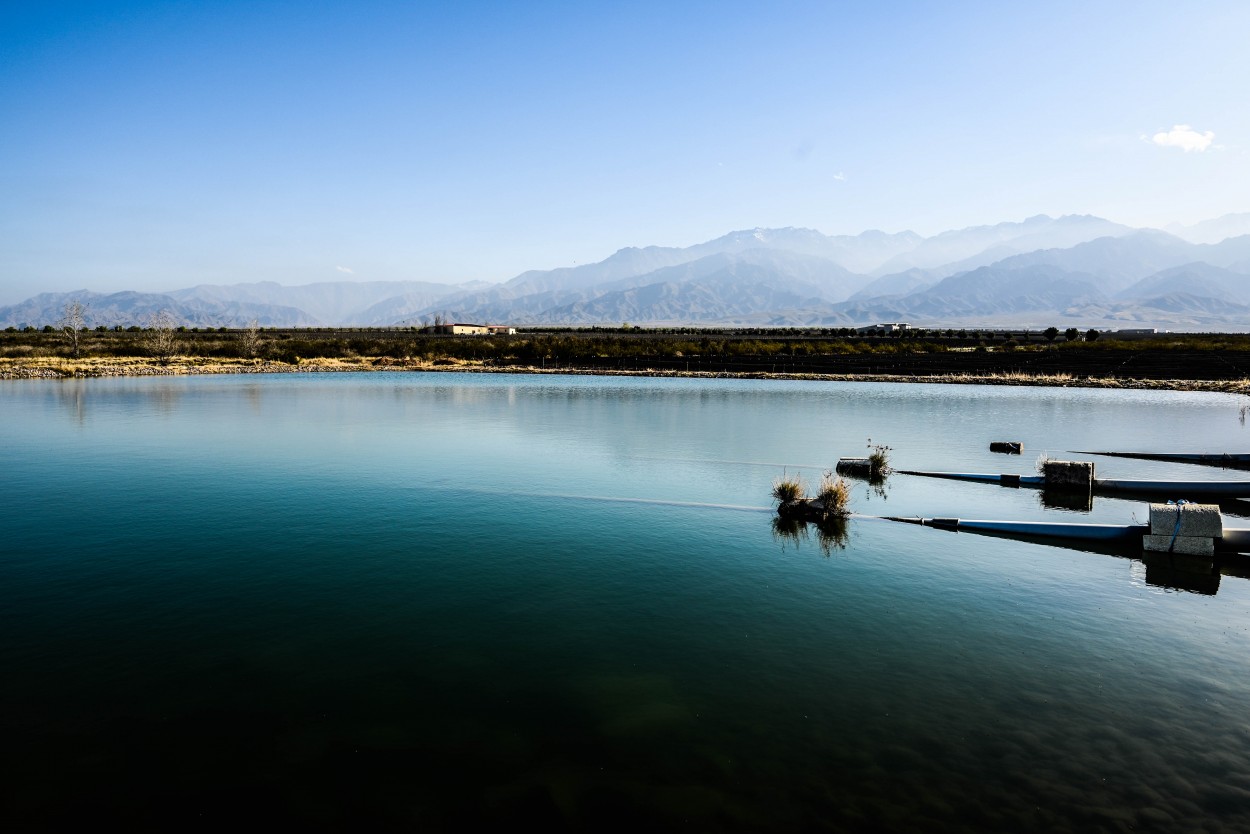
[
  {"x": 1072, "y": 334},
  {"x": 161, "y": 325},
  {"x": 159, "y": 337}
]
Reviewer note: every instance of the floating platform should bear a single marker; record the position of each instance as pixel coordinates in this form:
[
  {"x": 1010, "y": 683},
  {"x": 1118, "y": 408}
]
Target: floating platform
[{"x": 806, "y": 509}]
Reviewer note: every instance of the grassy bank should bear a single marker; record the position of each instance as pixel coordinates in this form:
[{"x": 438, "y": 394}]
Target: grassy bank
[
  {"x": 1214, "y": 362},
  {"x": 61, "y": 368}
]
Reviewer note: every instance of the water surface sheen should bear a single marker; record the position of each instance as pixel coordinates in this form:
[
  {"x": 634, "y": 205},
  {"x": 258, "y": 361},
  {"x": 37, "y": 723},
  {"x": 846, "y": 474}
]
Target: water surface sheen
[{"x": 434, "y": 601}]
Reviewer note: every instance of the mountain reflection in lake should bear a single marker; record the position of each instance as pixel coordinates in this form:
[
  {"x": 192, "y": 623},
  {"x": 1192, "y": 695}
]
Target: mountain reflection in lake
[{"x": 402, "y": 600}]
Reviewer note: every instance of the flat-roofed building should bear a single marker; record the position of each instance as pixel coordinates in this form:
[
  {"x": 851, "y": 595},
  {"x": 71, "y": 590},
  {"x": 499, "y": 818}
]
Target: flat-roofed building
[
  {"x": 465, "y": 329},
  {"x": 883, "y": 329}
]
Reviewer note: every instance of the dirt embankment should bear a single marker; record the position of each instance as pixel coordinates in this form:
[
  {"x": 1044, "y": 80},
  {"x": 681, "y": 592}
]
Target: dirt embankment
[{"x": 1192, "y": 373}]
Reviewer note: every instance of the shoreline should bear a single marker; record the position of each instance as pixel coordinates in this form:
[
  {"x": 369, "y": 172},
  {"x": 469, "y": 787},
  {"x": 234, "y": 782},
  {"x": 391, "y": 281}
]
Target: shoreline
[{"x": 91, "y": 368}]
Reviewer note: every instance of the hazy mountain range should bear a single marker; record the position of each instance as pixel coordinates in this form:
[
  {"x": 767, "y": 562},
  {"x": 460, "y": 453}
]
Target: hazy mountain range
[{"x": 1069, "y": 271}]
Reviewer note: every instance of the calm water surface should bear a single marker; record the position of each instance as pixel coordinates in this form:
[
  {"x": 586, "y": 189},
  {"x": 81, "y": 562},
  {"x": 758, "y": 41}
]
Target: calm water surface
[{"x": 424, "y": 602}]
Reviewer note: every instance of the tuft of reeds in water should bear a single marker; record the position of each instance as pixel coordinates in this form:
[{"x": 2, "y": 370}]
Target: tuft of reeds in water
[
  {"x": 789, "y": 488},
  {"x": 834, "y": 496},
  {"x": 878, "y": 459}
]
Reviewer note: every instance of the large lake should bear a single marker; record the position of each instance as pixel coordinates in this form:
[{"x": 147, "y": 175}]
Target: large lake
[{"x": 440, "y": 601}]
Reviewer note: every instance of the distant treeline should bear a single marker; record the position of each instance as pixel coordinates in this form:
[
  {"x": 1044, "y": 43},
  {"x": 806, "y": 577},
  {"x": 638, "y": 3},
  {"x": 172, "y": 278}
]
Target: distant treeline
[{"x": 580, "y": 345}]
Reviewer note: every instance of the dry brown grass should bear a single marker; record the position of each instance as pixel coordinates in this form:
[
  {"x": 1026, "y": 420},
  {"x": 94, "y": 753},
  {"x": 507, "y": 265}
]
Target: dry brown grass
[
  {"x": 33, "y": 365},
  {"x": 878, "y": 460},
  {"x": 787, "y": 488},
  {"x": 834, "y": 496},
  {"x": 53, "y": 367}
]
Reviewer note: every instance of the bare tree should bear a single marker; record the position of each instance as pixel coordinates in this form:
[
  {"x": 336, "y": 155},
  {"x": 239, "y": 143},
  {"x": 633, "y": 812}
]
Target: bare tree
[
  {"x": 159, "y": 338},
  {"x": 250, "y": 343},
  {"x": 73, "y": 323}
]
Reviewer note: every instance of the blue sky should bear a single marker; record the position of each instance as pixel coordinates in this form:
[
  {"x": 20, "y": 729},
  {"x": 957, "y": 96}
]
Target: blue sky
[{"x": 155, "y": 145}]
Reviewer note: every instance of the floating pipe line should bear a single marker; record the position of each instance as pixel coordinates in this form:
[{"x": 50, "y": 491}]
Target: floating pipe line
[
  {"x": 1037, "y": 529},
  {"x": 1227, "y": 489},
  {"x": 1228, "y": 460},
  {"x": 1235, "y": 539}
]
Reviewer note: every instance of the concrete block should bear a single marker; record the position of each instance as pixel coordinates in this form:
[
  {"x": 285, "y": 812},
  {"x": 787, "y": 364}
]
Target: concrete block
[
  {"x": 1184, "y": 545},
  {"x": 1196, "y": 520},
  {"x": 1068, "y": 473}
]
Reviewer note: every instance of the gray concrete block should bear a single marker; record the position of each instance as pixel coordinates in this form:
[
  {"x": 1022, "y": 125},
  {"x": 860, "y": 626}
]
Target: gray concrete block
[
  {"x": 1196, "y": 520},
  {"x": 1068, "y": 473},
  {"x": 1185, "y": 545}
]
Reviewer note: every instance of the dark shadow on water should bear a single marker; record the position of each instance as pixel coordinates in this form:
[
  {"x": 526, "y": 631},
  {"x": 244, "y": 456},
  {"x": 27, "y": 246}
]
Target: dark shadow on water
[
  {"x": 1127, "y": 549},
  {"x": 831, "y": 534},
  {"x": 874, "y": 485},
  {"x": 1163, "y": 571},
  {"x": 1076, "y": 501},
  {"x": 1081, "y": 502}
]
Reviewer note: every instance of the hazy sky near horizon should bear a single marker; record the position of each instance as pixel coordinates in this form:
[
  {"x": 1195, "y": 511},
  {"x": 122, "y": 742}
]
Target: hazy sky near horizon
[{"x": 156, "y": 145}]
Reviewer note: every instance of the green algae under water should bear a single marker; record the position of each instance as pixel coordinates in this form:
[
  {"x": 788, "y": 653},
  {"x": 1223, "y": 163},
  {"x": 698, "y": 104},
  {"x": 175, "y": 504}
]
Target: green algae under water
[{"x": 442, "y": 601}]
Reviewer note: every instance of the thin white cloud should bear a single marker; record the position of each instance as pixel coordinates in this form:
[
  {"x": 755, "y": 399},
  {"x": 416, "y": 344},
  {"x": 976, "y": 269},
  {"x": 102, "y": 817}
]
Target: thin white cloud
[
  {"x": 1185, "y": 138},
  {"x": 345, "y": 269},
  {"x": 840, "y": 176}
]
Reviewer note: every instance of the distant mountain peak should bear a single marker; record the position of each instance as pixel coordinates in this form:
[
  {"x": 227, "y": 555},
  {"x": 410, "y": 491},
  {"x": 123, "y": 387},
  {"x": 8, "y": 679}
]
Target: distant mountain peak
[
  {"x": 1215, "y": 230},
  {"x": 1074, "y": 265}
]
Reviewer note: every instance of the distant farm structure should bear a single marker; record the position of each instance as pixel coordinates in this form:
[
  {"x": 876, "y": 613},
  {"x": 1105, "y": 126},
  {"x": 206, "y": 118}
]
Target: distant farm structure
[
  {"x": 462, "y": 329},
  {"x": 886, "y": 328}
]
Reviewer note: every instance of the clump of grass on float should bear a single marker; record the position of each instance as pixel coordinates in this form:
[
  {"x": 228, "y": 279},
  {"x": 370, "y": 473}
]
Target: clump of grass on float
[
  {"x": 878, "y": 459},
  {"x": 789, "y": 488},
  {"x": 834, "y": 496}
]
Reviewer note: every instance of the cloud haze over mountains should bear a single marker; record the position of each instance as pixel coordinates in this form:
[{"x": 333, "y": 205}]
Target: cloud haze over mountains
[{"x": 1070, "y": 271}]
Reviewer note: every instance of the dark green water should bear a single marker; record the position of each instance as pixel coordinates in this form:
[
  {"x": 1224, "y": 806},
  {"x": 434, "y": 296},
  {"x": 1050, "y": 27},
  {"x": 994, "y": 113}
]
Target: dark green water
[{"x": 442, "y": 602}]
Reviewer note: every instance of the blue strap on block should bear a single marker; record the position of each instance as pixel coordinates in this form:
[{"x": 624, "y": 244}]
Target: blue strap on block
[{"x": 1177, "y": 530}]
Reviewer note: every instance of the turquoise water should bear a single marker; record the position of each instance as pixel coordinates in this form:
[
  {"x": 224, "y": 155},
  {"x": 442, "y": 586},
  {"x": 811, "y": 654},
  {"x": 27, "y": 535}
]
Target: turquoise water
[{"x": 438, "y": 601}]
